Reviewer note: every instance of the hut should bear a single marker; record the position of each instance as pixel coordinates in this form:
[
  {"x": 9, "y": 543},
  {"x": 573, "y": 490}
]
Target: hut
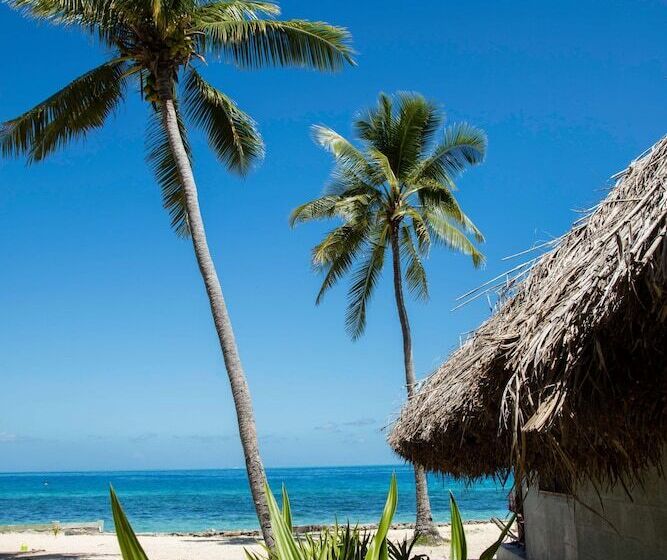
[{"x": 565, "y": 385}]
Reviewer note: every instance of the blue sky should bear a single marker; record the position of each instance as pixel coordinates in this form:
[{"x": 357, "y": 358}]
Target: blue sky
[{"x": 108, "y": 357}]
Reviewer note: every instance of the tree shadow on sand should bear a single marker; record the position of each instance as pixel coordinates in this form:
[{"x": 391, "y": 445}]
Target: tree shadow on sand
[
  {"x": 41, "y": 555},
  {"x": 239, "y": 540}
]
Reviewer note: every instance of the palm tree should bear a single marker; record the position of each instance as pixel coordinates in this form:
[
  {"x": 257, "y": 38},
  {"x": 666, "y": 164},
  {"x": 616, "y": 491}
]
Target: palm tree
[
  {"x": 394, "y": 192},
  {"x": 157, "y": 44}
]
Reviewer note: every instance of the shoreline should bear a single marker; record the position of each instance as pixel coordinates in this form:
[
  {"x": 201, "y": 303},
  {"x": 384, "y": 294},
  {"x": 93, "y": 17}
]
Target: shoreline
[
  {"x": 86, "y": 528},
  {"x": 298, "y": 529}
]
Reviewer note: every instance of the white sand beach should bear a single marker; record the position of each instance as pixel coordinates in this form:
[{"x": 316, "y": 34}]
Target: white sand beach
[{"x": 45, "y": 546}]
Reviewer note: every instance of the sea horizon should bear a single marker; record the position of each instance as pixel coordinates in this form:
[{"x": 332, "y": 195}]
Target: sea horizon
[
  {"x": 196, "y": 469},
  {"x": 196, "y": 500}
]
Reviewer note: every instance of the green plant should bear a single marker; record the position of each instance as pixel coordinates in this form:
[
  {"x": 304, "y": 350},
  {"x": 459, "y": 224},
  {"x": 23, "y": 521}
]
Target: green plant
[
  {"x": 330, "y": 544},
  {"x": 55, "y": 528},
  {"x": 458, "y": 546},
  {"x": 353, "y": 544},
  {"x": 337, "y": 543},
  {"x": 403, "y": 550},
  {"x": 287, "y": 510},
  {"x": 127, "y": 540}
]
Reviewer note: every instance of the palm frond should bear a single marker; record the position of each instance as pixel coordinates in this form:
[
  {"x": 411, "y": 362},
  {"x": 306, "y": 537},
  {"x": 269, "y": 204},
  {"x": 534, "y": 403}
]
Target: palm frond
[
  {"x": 323, "y": 207},
  {"x": 100, "y": 17},
  {"x": 346, "y": 154},
  {"x": 346, "y": 182},
  {"x": 232, "y": 134},
  {"x": 383, "y": 165},
  {"x": 234, "y": 10},
  {"x": 161, "y": 159},
  {"x": 337, "y": 242},
  {"x": 463, "y": 145},
  {"x": 336, "y": 253},
  {"x": 160, "y": 14},
  {"x": 420, "y": 226},
  {"x": 364, "y": 281},
  {"x": 415, "y": 275},
  {"x": 452, "y": 237},
  {"x": 71, "y": 113},
  {"x": 260, "y": 43},
  {"x": 62, "y": 11},
  {"x": 417, "y": 121},
  {"x": 377, "y": 126},
  {"x": 436, "y": 197},
  {"x": 353, "y": 207}
]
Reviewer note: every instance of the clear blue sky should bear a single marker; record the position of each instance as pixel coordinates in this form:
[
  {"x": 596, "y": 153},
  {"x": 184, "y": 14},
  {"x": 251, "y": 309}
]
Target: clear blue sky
[{"x": 108, "y": 357}]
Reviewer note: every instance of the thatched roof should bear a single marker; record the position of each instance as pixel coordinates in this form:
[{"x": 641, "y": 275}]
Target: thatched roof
[{"x": 568, "y": 378}]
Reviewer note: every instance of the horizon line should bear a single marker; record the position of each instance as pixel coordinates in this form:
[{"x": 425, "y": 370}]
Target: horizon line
[{"x": 198, "y": 469}]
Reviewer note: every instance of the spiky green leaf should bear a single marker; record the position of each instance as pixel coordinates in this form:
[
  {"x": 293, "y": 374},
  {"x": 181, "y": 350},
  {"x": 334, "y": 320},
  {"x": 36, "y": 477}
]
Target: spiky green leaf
[
  {"x": 287, "y": 510},
  {"x": 286, "y": 547},
  {"x": 490, "y": 552},
  {"x": 130, "y": 548},
  {"x": 458, "y": 548},
  {"x": 378, "y": 547}
]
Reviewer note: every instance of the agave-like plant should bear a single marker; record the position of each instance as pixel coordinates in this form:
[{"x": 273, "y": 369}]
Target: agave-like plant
[
  {"x": 328, "y": 546},
  {"x": 403, "y": 550}
]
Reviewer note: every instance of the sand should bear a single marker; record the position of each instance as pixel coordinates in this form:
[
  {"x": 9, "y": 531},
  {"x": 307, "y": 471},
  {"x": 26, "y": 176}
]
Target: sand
[{"x": 46, "y": 546}]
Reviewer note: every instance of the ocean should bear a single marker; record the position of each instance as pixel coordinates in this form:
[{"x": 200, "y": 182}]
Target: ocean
[{"x": 166, "y": 501}]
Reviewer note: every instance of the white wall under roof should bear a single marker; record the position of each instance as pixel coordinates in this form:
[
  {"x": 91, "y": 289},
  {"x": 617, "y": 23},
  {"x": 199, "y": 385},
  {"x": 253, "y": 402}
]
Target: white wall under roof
[{"x": 559, "y": 528}]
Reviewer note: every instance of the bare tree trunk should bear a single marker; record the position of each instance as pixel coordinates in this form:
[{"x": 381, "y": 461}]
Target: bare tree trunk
[
  {"x": 424, "y": 525},
  {"x": 223, "y": 326}
]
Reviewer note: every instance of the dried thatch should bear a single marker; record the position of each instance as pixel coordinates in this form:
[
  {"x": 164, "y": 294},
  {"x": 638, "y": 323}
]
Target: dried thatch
[{"x": 568, "y": 378}]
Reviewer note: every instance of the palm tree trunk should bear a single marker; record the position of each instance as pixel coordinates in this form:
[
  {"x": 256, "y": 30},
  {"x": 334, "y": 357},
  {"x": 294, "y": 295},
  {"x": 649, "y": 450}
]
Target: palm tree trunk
[
  {"x": 223, "y": 326},
  {"x": 424, "y": 525}
]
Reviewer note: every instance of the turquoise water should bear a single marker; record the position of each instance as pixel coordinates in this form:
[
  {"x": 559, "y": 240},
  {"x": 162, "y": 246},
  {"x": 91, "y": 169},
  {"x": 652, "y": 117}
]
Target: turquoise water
[{"x": 163, "y": 501}]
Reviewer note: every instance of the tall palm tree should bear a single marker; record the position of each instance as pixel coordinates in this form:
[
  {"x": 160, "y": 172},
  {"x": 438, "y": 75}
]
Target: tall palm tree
[
  {"x": 158, "y": 44},
  {"x": 395, "y": 193}
]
